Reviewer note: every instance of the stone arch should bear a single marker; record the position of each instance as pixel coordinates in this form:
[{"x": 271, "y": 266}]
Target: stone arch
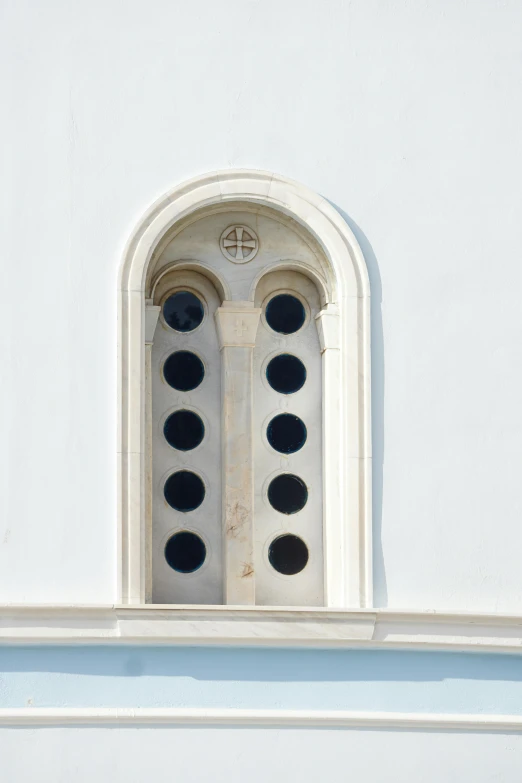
[{"x": 347, "y": 301}]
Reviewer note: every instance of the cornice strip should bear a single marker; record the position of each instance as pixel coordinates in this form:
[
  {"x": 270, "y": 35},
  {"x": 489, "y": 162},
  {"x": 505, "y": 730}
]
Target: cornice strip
[
  {"x": 260, "y": 626},
  {"x": 125, "y": 716}
]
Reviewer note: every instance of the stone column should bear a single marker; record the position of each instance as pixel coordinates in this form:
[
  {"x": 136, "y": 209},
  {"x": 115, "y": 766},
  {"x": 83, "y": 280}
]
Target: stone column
[
  {"x": 334, "y": 535},
  {"x": 237, "y": 324}
]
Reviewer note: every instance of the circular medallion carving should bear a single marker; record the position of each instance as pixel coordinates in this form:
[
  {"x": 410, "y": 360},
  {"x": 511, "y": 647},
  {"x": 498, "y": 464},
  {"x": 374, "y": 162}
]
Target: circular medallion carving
[{"x": 239, "y": 244}]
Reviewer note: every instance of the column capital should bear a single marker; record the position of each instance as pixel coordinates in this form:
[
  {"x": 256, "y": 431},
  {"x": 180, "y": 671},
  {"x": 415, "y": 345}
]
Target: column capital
[
  {"x": 328, "y": 326},
  {"x": 151, "y": 319},
  {"x": 237, "y": 324}
]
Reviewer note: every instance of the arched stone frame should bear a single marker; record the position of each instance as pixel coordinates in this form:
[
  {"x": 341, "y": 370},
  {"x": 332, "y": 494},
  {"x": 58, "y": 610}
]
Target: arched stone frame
[{"x": 344, "y": 328}]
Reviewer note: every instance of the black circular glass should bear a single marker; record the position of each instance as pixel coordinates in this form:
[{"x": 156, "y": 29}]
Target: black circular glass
[
  {"x": 183, "y": 370},
  {"x": 184, "y": 490},
  {"x": 185, "y": 552},
  {"x": 285, "y": 314},
  {"x": 288, "y": 554},
  {"x": 287, "y": 493},
  {"x": 183, "y": 311},
  {"x": 286, "y": 373},
  {"x": 286, "y": 433},
  {"x": 184, "y": 430}
]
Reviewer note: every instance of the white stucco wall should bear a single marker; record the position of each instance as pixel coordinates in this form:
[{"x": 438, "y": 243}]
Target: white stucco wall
[
  {"x": 407, "y": 117},
  {"x": 236, "y": 754}
]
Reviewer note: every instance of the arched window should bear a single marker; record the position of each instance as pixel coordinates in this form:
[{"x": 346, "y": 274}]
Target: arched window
[
  {"x": 245, "y": 467},
  {"x": 288, "y": 443},
  {"x": 185, "y": 526}
]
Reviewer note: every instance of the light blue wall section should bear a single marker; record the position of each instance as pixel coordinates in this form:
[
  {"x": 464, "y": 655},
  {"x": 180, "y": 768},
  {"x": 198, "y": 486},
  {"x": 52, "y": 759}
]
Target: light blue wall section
[{"x": 247, "y": 678}]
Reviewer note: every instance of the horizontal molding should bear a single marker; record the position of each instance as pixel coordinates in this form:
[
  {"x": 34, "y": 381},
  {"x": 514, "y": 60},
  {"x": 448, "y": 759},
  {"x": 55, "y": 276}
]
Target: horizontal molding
[
  {"x": 63, "y": 716},
  {"x": 259, "y": 626}
]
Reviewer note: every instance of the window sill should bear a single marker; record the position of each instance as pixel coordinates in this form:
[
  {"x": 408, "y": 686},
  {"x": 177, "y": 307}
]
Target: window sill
[{"x": 259, "y": 626}]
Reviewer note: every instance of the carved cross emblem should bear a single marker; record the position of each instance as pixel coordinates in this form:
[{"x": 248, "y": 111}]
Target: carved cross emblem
[{"x": 239, "y": 244}]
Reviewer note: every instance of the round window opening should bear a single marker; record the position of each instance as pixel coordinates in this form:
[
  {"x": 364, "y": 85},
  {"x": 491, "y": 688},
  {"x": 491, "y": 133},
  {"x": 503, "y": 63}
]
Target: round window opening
[
  {"x": 286, "y": 374},
  {"x": 285, "y": 314},
  {"x": 183, "y": 311},
  {"x": 184, "y": 490},
  {"x": 183, "y": 370},
  {"x": 286, "y": 433},
  {"x": 288, "y": 554},
  {"x": 184, "y": 430},
  {"x": 185, "y": 552},
  {"x": 287, "y": 493}
]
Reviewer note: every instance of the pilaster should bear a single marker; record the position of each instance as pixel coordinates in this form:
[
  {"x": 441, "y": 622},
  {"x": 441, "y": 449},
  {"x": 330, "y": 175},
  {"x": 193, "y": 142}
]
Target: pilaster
[{"x": 237, "y": 324}]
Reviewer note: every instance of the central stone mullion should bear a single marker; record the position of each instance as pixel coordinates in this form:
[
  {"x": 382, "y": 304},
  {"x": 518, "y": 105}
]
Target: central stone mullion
[{"x": 237, "y": 324}]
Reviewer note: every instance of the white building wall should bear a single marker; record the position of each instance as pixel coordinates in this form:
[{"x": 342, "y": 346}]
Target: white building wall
[
  {"x": 235, "y": 754},
  {"x": 407, "y": 117}
]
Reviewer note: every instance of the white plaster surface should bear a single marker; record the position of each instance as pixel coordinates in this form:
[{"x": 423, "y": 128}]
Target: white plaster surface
[
  {"x": 239, "y": 753},
  {"x": 407, "y": 117}
]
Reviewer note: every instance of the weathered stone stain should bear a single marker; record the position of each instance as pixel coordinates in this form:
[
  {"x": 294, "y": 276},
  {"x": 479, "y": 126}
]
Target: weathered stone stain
[
  {"x": 248, "y": 570},
  {"x": 237, "y": 516}
]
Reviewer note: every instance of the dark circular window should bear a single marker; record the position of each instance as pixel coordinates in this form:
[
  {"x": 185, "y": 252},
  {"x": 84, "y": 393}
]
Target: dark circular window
[
  {"x": 285, "y": 314},
  {"x": 185, "y": 552},
  {"x": 184, "y": 490},
  {"x": 184, "y": 430},
  {"x": 288, "y": 554},
  {"x": 183, "y": 370},
  {"x": 286, "y": 373},
  {"x": 183, "y": 311},
  {"x": 287, "y": 493},
  {"x": 286, "y": 433}
]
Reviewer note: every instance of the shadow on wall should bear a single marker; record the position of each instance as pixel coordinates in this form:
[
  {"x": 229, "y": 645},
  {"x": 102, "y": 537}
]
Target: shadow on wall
[
  {"x": 380, "y": 587},
  {"x": 216, "y": 664}
]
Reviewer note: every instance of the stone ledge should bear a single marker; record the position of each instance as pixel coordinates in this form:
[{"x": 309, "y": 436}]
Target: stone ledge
[
  {"x": 259, "y": 626},
  {"x": 124, "y": 716}
]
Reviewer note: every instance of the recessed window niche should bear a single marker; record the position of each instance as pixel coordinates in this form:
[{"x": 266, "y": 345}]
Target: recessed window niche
[{"x": 241, "y": 296}]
